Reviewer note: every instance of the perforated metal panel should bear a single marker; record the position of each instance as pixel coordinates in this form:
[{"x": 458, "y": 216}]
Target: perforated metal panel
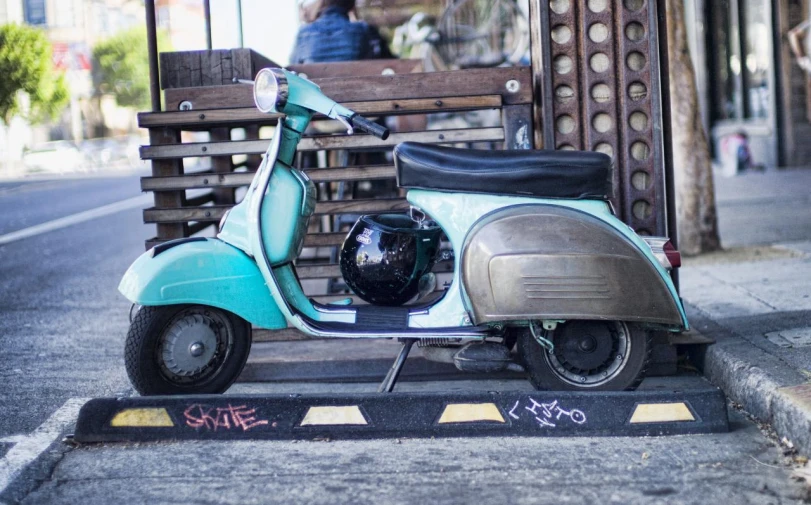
[{"x": 600, "y": 90}]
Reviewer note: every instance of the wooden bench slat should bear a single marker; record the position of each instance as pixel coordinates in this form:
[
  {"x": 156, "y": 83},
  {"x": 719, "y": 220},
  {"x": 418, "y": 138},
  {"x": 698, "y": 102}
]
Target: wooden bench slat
[
  {"x": 318, "y": 271},
  {"x": 359, "y": 173},
  {"x": 219, "y": 117},
  {"x": 204, "y": 117},
  {"x": 213, "y": 213},
  {"x": 185, "y": 214},
  {"x": 470, "y": 82},
  {"x": 324, "y": 239},
  {"x": 356, "y": 68},
  {"x": 311, "y": 240},
  {"x": 328, "y": 142},
  {"x": 235, "y": 180},
  {"x": 221, "y": 108},
  {"x": 361, "y": 206},
  {"x": 193, "y": 181}
]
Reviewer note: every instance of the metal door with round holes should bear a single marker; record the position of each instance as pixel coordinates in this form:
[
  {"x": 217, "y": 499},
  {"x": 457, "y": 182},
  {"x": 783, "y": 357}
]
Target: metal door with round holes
[{"x": 601, "y": 91}]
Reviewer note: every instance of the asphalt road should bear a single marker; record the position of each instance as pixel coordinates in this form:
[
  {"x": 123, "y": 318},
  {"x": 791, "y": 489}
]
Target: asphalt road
[
  {"x": 30, "y": 202},
  {"x": 62, "y": 322},
  {"x": 62, "y": 327}
]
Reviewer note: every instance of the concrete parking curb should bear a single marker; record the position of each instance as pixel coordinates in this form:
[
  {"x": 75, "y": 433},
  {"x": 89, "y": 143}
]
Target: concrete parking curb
[
  {"x": 675, "y": 407},
  {"x": 761, "y": 383},
  {"x": 791, "y": 415}
]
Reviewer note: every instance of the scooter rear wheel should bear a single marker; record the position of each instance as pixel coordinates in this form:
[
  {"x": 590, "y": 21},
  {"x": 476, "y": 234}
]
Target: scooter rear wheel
[
  {"x": 185, "y": 349},
  {"x": 588, "y": 355}
]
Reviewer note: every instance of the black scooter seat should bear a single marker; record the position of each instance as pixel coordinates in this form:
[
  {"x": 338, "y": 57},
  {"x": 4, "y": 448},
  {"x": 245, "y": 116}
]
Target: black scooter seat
[{"x": 549, "y": 174}]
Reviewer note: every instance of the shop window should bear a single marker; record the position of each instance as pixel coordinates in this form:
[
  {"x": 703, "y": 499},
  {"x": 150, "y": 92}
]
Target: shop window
[
  {"x": 64, "y": 14},
  {"x": 740, "y": 59},
  {"x": 758, "y": 59}
]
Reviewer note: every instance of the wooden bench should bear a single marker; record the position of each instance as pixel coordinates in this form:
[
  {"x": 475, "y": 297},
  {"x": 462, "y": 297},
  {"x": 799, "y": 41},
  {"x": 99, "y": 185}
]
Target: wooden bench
[{"x": 220, "y": 110}]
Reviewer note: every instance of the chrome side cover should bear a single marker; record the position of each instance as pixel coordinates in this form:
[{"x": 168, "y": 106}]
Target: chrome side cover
[{"x": 551, "y": 262}]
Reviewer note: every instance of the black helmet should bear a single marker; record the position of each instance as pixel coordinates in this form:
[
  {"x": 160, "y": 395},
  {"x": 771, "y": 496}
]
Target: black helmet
[{"x": 384, "y": 256}]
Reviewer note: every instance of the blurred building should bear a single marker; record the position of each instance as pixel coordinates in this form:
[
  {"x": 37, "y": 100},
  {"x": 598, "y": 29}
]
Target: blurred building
[
  {"x": 184, "y": 21},
  {"x": 11, "y": 11},
  {"x": 747, "y": 78},
  {"x": 17, "y": 133},
  {"x": 266, "y": 27},
  {"x": 73, "y": 27}
]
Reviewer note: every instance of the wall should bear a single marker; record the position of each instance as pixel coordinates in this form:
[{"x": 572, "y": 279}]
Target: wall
[{"x": 11, "y": 11}]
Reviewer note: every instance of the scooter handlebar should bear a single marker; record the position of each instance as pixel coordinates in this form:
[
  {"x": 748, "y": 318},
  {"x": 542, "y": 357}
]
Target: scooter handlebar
[{"x": 370, "y": 127}]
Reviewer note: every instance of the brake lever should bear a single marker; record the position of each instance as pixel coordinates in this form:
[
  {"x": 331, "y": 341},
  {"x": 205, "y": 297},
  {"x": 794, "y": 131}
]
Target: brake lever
[{"x": 349, "y": 129}]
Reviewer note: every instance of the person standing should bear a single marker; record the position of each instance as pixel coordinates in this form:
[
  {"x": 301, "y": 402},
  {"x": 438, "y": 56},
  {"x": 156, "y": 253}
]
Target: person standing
[
  {"x": 333, "y": 36},
  {"x": 800, "y": 42}
]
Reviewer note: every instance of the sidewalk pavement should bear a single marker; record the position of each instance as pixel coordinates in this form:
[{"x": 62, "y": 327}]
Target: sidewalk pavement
[{"x": 754, "y": 300}]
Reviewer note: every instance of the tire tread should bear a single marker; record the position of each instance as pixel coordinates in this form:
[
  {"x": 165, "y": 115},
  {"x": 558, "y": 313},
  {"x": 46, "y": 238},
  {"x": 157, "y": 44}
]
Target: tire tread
[
  {"x": 135, "y": 337},
  {"x": 141, "y": 335}
]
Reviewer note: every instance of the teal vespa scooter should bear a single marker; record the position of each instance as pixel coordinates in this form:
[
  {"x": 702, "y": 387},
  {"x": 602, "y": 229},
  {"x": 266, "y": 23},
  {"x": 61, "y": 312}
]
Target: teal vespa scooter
[{"x": 539, "y": 259}]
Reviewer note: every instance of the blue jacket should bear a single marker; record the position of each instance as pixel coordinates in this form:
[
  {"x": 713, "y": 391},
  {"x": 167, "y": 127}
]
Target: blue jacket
[{"x": 332, "y": 37}]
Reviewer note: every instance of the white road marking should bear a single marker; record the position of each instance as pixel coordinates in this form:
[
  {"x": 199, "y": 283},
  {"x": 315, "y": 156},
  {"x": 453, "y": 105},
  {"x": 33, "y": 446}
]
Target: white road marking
[
  {"x": 30, "y": 186},
  {"x": 80, "y": 217},
  {"x": 27, "y": 448}
]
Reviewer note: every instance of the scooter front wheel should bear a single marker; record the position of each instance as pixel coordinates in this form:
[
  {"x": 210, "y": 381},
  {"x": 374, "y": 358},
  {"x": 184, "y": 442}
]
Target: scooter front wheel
[
  {"x": 587, "y": 355},
  {"x": 185, "y": 349}
]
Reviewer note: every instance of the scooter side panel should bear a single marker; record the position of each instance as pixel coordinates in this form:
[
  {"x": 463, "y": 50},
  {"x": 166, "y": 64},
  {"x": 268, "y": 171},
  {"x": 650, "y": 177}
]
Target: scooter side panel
[
  {"x": 208, "y": 272},
  {"x": 559, "y": 263},
  {"x": 286, "y": 210}
]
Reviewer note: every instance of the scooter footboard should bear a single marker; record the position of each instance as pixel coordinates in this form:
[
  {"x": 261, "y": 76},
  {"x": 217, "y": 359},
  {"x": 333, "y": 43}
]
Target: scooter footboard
[
  {"x": 553, "y": 262},
  {"x": 206, "y": 272}
]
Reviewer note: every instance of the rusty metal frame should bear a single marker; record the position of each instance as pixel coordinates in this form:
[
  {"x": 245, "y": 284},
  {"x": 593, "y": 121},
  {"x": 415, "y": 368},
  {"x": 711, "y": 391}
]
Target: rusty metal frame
[{"x": 601, "y": 88}]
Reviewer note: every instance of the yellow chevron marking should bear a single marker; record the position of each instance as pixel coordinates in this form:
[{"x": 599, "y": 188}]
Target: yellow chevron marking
[
  {"x": 142, "y": 418},
  {"x": 470, "y": 413},
  {"x": 661, "y": 413},
  {"x": 330, "y": 416}
]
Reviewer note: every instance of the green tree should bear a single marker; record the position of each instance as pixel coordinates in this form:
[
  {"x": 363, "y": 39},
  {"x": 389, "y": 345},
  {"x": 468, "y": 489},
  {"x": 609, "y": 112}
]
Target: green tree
[
  {"x": 121, "y": 67},
  {"x": 25, "y": 67}
]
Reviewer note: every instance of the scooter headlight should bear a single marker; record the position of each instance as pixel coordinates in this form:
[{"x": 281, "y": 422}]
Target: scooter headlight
[{"x": 270, "y": 90}]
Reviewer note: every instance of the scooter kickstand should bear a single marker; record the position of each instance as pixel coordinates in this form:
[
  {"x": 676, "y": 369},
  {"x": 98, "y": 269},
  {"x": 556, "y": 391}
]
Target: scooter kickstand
[{"x": 391, "y": 377}]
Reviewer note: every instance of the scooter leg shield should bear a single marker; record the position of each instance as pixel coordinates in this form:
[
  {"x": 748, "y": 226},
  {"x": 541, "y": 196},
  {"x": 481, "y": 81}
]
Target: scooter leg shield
[{"x": 202, "y": 271}]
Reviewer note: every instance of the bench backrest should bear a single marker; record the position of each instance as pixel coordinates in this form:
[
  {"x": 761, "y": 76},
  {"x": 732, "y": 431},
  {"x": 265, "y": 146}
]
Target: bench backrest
[{"x": 220, "y": 109}]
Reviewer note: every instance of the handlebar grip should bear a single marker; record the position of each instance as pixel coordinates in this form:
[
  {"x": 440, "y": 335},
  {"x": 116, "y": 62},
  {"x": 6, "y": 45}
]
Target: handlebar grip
[{"x": 370, "y": 127}]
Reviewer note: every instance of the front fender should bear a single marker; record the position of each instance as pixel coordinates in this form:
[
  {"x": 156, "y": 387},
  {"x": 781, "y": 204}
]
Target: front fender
[{"x": 202, "y": 271}]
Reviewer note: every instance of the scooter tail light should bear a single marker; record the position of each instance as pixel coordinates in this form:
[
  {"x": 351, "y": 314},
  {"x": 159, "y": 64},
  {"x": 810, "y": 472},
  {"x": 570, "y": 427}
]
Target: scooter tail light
[
  {"x": 664, "y": 252},
  {"x": 673, "y": 256}
]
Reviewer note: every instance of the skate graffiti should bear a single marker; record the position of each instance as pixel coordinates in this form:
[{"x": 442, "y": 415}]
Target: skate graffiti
[
  {"x": 213, "y": 418},
  {"x": 547, "y": 414}
]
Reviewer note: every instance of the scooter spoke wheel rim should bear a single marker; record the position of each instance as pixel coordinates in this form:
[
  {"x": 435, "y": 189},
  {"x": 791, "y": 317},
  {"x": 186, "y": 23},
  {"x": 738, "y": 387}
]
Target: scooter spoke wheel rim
[
  {"x": 589, "y": 353},
  {"x": 195, "y": 345}
]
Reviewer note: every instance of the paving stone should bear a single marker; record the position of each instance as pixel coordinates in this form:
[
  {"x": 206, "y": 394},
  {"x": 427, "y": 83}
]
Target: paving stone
[{"x": 799, "y": 337}]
